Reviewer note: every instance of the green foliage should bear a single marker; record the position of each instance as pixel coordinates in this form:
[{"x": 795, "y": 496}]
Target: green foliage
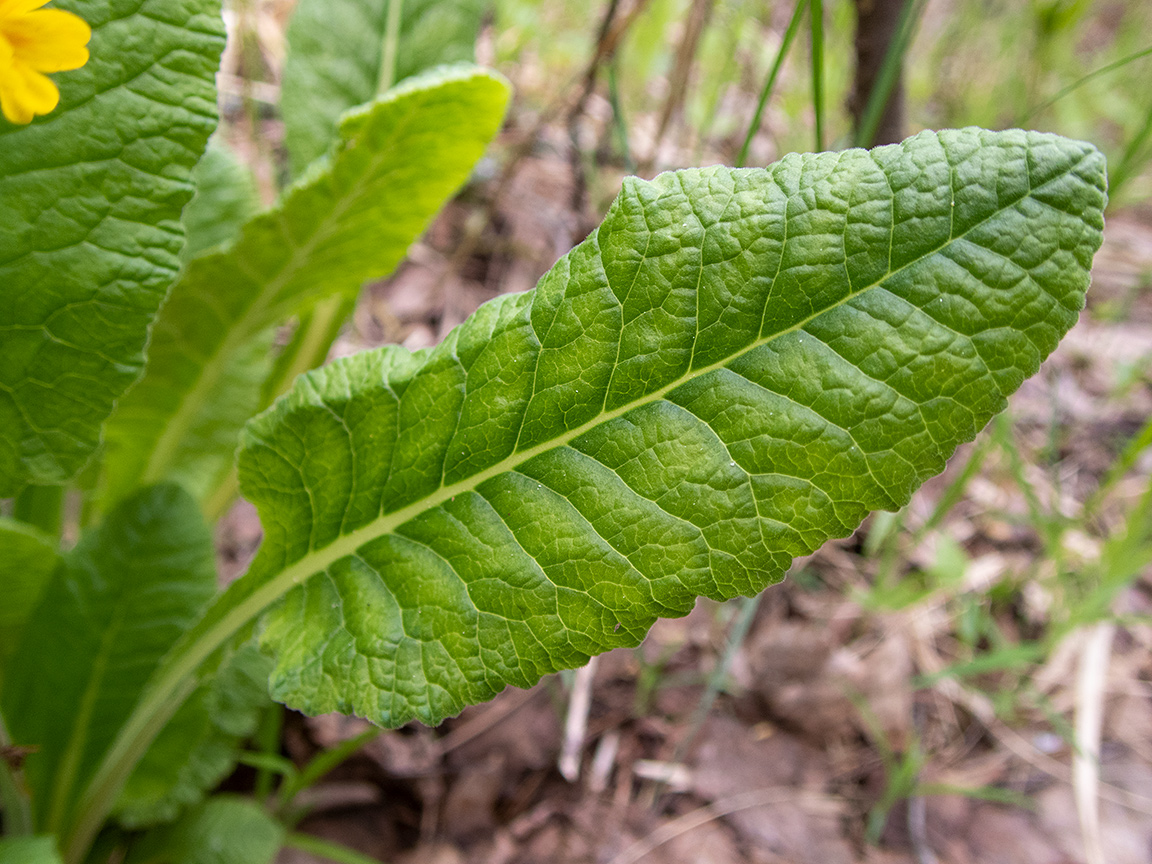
[
  {"x": 89, "y": 230},
  {"x": 351, "y": 218},
  {"x": 28, "y": 850},
  {"x": 344, "y": 54},
  {"x": 736, "y": 366},
  {"x": 27, "y": 563},
  {"x": 225, "y": 200},
  {"x": 123, "y": 596},
  {"x": 222, "y": 830},
  {"x": 200, "y": 744}
]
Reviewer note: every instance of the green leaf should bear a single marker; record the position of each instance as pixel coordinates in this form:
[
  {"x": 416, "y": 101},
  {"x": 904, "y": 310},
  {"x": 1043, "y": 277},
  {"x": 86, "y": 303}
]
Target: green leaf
[
  {"x": 28, "y": 560},
  {"x": 222, "y": 830},
  {"x": 351, "y": 219},
  {"x": 736, "y": 366},
  {"x": 338, "y": 50},
  {"x": 199, "y": 746},
  {"x": 29, "y": 850},
  {"x": 124, "y": 595},
  {"x": 89, "y": 231},
  {"x": 225, "y": 199}
]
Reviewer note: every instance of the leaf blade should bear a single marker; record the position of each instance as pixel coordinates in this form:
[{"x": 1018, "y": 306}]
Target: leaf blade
[
  {"x": 735, "y": 367},
  {"x": 336, "y": 55},
  {"x": 346, "y": 222},
  {"x": 90, "y": 227},
  {"x": 123, "y": 596},
  {"x": 199, "y": 746},
  {"x": 30, "y": 558}
]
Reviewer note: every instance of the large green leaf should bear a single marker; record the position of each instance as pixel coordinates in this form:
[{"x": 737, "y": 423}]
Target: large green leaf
[
  {"x": 125, "y": 594},
  {"x": 736, "y": 366},
  {"x": 351, "y": 219},
  {"x": 27, "y": 560},
  {"x": 338, "y": 51},
  {"x": 199, "y": 746},
  {"x": 89, "y": 227}
]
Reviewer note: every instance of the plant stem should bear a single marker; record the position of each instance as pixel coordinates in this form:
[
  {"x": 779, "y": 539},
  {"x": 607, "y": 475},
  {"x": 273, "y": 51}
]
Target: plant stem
[
  {"x": 173, "y": 684},
  {"x": 268, "y": 740},
  {"x": 321, "y": 764},
  {"x": 619, "y": 124},
  {"x": 770, "y": 84},
  {"x": 736, "y": 635},
  {"x": 390, "y": 48},
  {"x": 817, "y": 21}
]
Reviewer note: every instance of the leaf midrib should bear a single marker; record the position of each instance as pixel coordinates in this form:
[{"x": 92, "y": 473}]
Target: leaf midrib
[{"x": 346, "y": 544}]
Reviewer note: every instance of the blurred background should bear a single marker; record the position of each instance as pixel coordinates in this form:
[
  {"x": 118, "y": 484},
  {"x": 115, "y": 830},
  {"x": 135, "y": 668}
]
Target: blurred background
[{"x": 968, "y": 680}]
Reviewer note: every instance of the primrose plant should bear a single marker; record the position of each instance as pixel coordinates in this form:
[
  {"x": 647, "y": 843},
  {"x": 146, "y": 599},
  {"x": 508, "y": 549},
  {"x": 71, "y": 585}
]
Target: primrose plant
[{"x": 735, "y": 366}]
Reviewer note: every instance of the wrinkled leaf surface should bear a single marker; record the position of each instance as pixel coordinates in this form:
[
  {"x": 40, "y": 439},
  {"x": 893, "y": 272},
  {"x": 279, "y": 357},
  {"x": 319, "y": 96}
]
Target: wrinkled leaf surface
[
  {"x": 736, "y": 366},
  {"x": 90, "y": 230}
]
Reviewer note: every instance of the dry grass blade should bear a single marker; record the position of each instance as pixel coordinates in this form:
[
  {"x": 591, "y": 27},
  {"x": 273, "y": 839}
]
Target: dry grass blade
[
  {"x": 1090, "y": 681},
  {"x": 576, "y": 724}
]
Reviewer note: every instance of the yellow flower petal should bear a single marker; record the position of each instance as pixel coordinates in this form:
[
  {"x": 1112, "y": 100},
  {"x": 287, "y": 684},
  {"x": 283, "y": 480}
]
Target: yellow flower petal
[
  {"x": 49, "y": 40},
  {"x": 24, "y": 93}
]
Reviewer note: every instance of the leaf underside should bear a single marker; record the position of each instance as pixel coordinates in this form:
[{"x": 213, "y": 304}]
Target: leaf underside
[
  {"x": 89, "y": 228},
  {"x": 736, "y": 366}
]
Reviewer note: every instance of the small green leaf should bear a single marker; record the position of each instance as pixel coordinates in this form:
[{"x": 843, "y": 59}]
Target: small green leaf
[
  {"x": 223, "y": 830},
  {"x": 337, "y": 49},
  {"x": 28, "y": 560},
  {"x": 29, "y": 850},
  {"x": 89, "y": 228},
  {"x": 123, "y": 597},
  {"x": 351, "y": 219},
  {"x": 736, "y": 366},
  {"x": 199, "y": 745}
]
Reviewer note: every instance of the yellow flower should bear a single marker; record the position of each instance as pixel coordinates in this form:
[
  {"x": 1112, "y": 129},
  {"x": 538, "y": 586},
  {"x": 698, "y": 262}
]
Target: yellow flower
[{"x": 34, "y": 41}]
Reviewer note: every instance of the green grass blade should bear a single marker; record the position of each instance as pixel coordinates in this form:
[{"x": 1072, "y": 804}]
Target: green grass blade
[
  {"x": 1133, "y": 159},
  {"x": 889, "y": 72},
  {"x": 770, "y": 83},
  {"x": 1080, "y": 82},
  {"x": 817, "y": 22}
]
